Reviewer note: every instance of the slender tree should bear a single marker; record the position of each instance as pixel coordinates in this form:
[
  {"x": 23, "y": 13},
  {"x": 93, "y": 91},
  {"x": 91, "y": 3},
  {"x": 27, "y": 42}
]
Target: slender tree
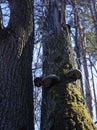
[
  {"x": 63, "y": 106},
  {"x": 93, "y": 84},
  {"x": 92, "y": 6},
  {"x": 80, "y": 48},
  {"x": 87, "y": 83},
  {"x": 16, "y": 44}
]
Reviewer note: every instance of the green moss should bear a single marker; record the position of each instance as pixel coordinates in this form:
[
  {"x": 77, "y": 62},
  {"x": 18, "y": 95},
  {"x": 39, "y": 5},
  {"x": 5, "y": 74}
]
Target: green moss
[
  {"x": 77, "y": 111},
  {"x": 65, "y": 104}
]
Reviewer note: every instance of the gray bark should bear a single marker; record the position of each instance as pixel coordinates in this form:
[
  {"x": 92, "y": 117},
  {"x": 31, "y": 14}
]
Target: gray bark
[{"x": 16, "y": 99}]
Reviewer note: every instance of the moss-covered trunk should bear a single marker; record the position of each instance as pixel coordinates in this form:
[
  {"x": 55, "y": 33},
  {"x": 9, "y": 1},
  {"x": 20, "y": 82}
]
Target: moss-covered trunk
[
  {"x": 66, "y": 109},
  {"x": 16, "y": 44},
  {"x": 63, "y": 107},
  {"x": 63, "y": 104}
]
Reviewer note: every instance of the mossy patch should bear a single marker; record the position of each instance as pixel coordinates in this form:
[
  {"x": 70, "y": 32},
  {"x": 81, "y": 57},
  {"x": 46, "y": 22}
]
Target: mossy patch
[
  {"x": 76, "y": 109},
  {"x": 66, "y": 109},
  {"x": 64, "y": 104}
]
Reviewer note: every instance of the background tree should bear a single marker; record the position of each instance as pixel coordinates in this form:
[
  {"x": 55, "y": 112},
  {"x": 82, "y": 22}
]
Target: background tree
[
  {"x": 86, "y": 31},
  {"x": 83, "y": 30},
  {"x": 80, "y": 49},
  {"x": 16, "y": 44}
]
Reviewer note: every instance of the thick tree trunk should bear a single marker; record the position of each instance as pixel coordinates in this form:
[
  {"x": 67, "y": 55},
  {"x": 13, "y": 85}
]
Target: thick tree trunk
[
  {"x": 16, "y": 99},
  {"x": 63, "y": 104},
  {"x": 63, "y": 107}
]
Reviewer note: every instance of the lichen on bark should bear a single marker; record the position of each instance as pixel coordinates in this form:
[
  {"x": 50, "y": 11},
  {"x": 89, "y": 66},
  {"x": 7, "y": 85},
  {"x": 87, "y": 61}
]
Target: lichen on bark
[
  {"x": 66, "y": 109},
  {"x": 63, "y": 105}
]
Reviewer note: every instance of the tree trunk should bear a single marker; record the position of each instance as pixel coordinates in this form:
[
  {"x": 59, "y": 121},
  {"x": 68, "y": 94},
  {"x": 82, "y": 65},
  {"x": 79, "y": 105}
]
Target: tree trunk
[
  {"x": 87, "y": 83},
  {"x": 92, "y": 7},
  {"x": 82, "y": 42},
  {"x": 63, "y": 104},
  {"x": 63, "y": 107},
  {"x": 77, "y": 44},
  {"x": 93, "y": 84},
  {"x": 16, "y": 44}
]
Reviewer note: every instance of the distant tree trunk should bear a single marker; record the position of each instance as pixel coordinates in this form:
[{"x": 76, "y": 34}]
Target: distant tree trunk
[
  {"x": 16, "y": 44},
  {"x": 77, "y": 44},
  {"x": 82, "y": 53},
  {"x": 94, "y": 91},
  {"x": 93, "y": 11},
  {"x": 63, "y": 107},
  {"x": 87, "y": 83}
]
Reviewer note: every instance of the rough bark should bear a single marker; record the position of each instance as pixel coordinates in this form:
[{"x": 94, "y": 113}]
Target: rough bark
[
  {"x": 63, "y": 107},
  {"x": 63, "y": 104},
  {"x": 16, "y": 43}
]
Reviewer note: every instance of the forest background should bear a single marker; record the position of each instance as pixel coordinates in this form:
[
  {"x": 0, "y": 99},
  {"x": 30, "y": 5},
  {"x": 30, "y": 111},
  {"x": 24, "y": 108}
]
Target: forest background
[{"x": 81, "y": 20}]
